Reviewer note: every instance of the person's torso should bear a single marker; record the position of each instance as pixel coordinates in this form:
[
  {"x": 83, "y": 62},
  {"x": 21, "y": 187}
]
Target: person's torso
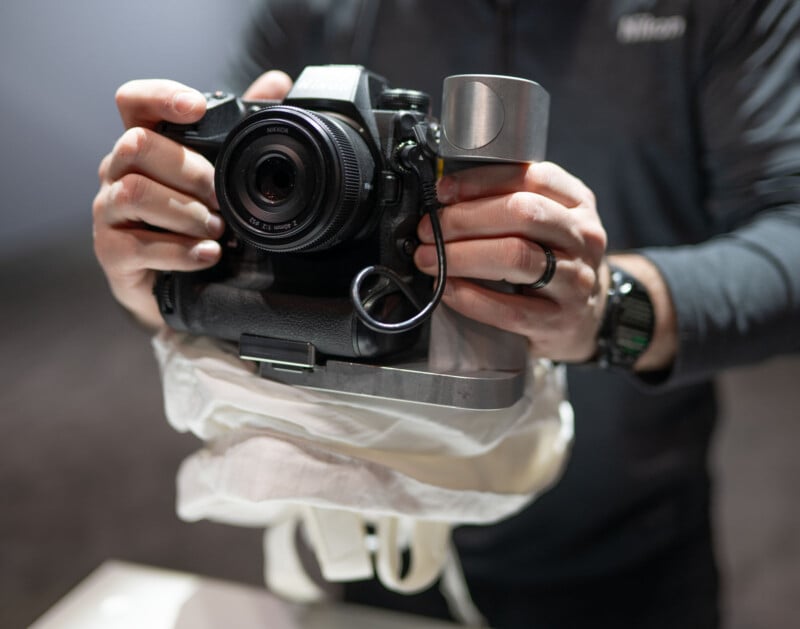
[{"x": 620, "y": 74}]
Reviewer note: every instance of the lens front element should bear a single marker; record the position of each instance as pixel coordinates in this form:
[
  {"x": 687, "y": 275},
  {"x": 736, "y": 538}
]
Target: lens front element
[{"x": 275, "y": 178}]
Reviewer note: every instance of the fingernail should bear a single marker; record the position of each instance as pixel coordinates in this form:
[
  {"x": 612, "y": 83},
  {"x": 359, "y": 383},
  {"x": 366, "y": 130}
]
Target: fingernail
[
  {"x": 213, "y": 201},
  {"x": 446, "y": 190},
  {"x": 206, "y": 250},
  {"x": 215, "y": 226},
  {"x": 185, "y": 102}
]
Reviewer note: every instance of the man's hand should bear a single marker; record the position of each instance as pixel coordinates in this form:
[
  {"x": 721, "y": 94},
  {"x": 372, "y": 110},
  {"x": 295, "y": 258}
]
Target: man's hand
[
  {"x": 493, "y": 221},
  {"x": 156, "y": 209}
]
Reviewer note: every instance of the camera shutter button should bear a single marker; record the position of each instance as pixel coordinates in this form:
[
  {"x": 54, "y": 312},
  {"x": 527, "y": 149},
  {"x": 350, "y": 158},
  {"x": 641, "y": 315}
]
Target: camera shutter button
[{"x": 400, "y": 99}]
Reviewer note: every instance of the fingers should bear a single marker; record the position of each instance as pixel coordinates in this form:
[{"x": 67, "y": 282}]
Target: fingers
[
  {"x": 553, "y": 330},
  {"x": 125, "y": 245},
  {"x": 143, "y": 103},
  {"x": 126, "y": 252},
  {"x": 492, "y": 240},
  {"x": 145, "y": 152},
  {"x": 515, "y": 313},
  {"x": 541, "y": 203},
  {"x": 272, "y": 85},
  {"x": 514, "y": 260},
  {"x": 523, "y": 214},
  {"x": 496, "y": 222},
  {"x": 149, "y": 181},
  {"x": 130, "y": 257},
  {"x": 135, "y": 199},
  {"x": 543, "y": 178},
  {"x": 518, "y": 261}
]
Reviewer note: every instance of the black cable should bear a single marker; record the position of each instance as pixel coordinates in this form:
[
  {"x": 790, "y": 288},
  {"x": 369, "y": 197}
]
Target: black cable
[
  {"x": 425, "y": 312},
  {"x": 413, "y": 158}
]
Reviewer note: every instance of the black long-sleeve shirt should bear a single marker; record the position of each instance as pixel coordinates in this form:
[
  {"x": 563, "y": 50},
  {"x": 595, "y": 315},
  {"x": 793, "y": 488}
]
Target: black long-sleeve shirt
[{"x": 684, "y": 119}]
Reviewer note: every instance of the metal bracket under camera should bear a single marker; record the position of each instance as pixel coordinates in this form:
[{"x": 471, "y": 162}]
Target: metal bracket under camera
[{"x": 294, "y": 363}]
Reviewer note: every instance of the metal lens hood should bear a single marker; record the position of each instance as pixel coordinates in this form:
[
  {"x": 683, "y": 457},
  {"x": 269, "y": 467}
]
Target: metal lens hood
[{"x": 493, "y": 118}]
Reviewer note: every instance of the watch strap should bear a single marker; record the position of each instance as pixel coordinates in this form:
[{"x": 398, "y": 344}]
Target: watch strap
[{"x": 628, "y": 322}]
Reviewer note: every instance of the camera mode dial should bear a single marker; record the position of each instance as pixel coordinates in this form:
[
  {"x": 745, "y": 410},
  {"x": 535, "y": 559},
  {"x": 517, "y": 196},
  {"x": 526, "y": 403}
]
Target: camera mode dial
[{"x": 401, "y": 99}]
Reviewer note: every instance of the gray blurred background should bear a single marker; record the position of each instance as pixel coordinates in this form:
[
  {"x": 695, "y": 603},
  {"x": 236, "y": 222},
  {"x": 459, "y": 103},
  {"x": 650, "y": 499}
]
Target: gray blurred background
[{"x": 87, "y": 461}]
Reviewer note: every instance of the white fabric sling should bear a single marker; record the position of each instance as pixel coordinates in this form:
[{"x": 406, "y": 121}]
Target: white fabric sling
[{"x": 334, "y": 465}]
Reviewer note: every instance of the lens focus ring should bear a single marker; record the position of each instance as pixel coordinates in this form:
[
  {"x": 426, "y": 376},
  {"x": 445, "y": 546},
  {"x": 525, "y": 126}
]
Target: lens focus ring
[{"x": 350, "y": 184}]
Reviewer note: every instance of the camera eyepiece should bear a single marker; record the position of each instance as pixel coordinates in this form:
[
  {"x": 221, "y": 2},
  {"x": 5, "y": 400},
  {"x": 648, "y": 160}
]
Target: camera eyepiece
[{"x": 289, "y": 179}]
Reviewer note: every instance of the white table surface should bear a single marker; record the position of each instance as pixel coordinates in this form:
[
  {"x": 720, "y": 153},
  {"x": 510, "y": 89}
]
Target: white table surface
[{"x": 121, "y": 595}]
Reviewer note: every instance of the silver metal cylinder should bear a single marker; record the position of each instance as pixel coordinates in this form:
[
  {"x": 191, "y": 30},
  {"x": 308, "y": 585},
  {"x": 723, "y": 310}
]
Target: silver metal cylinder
[{"x": 493, "y": 118}]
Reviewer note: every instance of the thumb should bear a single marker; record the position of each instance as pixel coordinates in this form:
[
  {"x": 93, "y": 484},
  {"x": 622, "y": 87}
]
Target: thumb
[
  {"x": 272, "y": 85},
  {"x": 143, "y": 103}
]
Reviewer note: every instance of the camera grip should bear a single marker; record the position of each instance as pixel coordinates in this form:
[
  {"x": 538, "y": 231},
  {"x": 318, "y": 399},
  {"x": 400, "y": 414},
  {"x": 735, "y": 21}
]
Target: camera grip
[{"x": 226, "y": 311}]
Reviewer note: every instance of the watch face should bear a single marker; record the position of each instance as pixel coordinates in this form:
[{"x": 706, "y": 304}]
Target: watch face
[{"x": 627, "y": 324}]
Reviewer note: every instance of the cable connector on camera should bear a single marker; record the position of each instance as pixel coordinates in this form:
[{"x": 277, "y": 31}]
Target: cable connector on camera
[{"x": 417, "y": 157}]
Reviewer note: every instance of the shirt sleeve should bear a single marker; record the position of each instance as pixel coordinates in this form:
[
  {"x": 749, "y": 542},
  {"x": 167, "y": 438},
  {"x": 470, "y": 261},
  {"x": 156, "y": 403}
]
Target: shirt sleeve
[{"x": 737, "y": 295}]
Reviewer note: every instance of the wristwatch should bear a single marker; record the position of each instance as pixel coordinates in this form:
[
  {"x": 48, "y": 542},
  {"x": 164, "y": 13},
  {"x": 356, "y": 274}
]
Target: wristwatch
[{"x": 628, "y": 323}]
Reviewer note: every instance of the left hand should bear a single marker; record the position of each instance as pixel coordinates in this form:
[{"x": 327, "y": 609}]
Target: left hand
[{"x": 493, "y": 218}]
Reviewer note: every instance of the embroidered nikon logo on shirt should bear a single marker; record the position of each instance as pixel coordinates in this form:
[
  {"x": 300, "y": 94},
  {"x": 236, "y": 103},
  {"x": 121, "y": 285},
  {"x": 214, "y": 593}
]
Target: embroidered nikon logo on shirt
[{"x": 646, "y": 27}]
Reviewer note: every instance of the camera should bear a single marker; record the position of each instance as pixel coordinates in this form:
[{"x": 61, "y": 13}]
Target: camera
[{"x": 322, "y": 193}]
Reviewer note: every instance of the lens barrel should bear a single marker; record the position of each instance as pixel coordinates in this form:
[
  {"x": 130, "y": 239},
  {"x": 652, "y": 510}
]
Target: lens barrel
[{"x": 289, "y": 179}]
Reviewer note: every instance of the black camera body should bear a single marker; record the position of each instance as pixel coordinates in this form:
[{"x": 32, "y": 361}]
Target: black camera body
[
  {"x": 313, "y": 190},
  {"x": 322, "y": 194}
]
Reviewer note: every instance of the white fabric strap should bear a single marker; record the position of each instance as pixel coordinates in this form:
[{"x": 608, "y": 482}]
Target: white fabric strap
[
  {"x": 453, "y": 587},
  {"x": 427, "y": 553},
  {"x": 284, "y": 573},
  {"x": 339, "y": 541}
]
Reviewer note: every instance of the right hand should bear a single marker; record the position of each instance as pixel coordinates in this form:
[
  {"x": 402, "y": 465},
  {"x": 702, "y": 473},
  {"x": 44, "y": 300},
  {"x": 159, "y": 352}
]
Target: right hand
[{"x": 148, "y": 181}]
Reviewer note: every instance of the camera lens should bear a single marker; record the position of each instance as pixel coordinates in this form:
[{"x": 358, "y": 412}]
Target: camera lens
[
  {"x": 291, "y": 179},
  {"x": 275, "y": 178}
]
